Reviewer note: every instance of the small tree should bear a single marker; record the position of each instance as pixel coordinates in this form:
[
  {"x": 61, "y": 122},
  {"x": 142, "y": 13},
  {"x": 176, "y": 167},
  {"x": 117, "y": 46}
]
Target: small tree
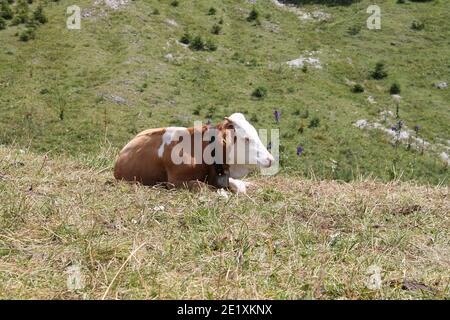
[
  {"x": 216, "y": 29},
  {"x": 186, "y": 38},
  {"x": 22, "y": 11},
  {"x": 212, "y": 11},
  {"x": 210, "y": 45},
  {"x": 379, "y": 72},
  {"x": 259, "y": 92},
  {"x": 39, "y": 15},
  {"x": 253, "y": 15},
  {"x": 357, "y": 88},
  {"x": 314, "y": 123},
  {"x": 197, "y": 44},
  {"x": 417, "y": 25},
  {"x": 27, "y": 34},
  {"x": 5, "y": 10},
  {"x": 395, "y": 88}
]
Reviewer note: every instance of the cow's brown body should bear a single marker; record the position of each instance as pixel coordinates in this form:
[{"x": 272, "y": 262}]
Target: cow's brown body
[{"x": 139, "y": 161}]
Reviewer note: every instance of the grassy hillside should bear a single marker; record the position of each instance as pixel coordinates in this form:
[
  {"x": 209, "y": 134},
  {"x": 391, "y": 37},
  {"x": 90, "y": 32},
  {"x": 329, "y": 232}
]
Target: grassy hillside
[
  {"x": 64, "y": 221},
  {"x": 75, "y": 91}
]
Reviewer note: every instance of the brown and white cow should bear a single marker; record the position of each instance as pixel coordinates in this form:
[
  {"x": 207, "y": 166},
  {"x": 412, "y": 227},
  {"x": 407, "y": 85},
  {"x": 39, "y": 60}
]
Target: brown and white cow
[{"x": 169, "y": 155}]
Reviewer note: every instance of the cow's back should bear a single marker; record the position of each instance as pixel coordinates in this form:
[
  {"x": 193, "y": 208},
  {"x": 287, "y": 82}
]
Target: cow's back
[{"x": 139, "y": 159}]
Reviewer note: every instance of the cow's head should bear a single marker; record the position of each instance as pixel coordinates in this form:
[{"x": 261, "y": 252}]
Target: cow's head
[{"x": 244, "y": 146}]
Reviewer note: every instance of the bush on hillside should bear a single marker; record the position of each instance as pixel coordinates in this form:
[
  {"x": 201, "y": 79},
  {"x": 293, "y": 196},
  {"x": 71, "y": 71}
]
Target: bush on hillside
[
  {"x": 212, "y": 11},
  {"x": 379, "y": 72},
  {"x": 2, "y": 23},
  {"x": 353, "y": 30},
  {"x": 186, "y": 38},
  {"x": 216, "y": 29},
  {"x": 210, "y": 45},
  {"x": 6, "y": 11},
  {"x": 27, "y": 34},
  {"x": 253, "y": 15},
  {"x": 21, "y": 13},
  {"x": 314, "y": 123},
  {"x": 417, "y": 25},
  {"x": 39, "y": 15},
  {"x": 174, "y": 3},
  {"x": 197, "y": 44},
  {"x": 357, "y": 88},
  {"x": 395, "y": 88},
  {"x": 259, "y": 92}
]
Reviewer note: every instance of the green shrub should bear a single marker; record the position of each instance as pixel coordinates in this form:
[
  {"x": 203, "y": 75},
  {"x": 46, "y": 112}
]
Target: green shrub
[
  {"x": 314, "y": 123},
  {"x": 401, "y": 1},
  {"x": 212, "y": 11},
  {"x": 21, "y": 14},
  {"x": 353, "y": 30},
  {"x": 216, "y": 29},
  {"x": 2, "y": 23},
  {"x": 6, "y": 11},
  {"x": 379, "y": 72},
  {"x": 197, "y": 44},
  {"x": 39, "y": 15},
  {"x": 259, "y": 92},
  {"x": 417, "y": 25},
  {"x": 174, "y": 3},
  {"x": 253, "y": 15},
  {"x": 395, "y": 88},
  {"x": 357, "y": 88},
  {"x": 210, "y": 45},
  {"x": 155, "y": 11},
  {"x": 27, "y": 34},
  {"x": 186, "y": 38}
]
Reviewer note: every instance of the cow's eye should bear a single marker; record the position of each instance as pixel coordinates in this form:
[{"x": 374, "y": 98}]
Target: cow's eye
[{"x": 247, "y": 139}]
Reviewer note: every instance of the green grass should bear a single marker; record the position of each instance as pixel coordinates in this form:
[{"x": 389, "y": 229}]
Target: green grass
[
  {"x": 55, "y": 90},
  {"x": 289, "y": 238}
]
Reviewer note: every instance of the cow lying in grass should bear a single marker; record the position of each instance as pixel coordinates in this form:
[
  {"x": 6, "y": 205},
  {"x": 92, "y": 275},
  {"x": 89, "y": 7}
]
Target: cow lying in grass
[{"x": 178, "y": 156}]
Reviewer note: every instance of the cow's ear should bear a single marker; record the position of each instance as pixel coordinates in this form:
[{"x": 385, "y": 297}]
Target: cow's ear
[{"x": 227, "y": 123}]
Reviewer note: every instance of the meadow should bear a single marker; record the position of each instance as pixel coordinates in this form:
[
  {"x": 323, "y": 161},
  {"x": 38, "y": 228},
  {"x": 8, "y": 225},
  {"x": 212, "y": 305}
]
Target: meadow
[
  {"x": 69, "y": 231},
  {"x": 362, "y": 212}
]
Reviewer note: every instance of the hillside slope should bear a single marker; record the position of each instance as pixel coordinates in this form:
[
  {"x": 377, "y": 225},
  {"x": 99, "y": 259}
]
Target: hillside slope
[
  {"x": 73, "y": 91},
  {"x": 68, "y": 230}
]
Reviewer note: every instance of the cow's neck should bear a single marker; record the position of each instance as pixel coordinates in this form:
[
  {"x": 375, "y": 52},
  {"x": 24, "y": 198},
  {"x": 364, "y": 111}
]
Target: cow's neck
[{"x": 235, "y": 170}]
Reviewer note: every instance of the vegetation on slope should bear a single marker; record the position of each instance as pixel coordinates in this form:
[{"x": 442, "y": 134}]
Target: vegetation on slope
[
  {"x": 68, "y": 230},
  {"x": 72, "y": 91}
]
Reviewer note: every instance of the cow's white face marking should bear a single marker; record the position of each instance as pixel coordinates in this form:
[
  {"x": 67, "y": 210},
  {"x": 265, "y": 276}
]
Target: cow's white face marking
[
  {"x": 168, "y": 137},
  {"x": 248, "y": 144}
]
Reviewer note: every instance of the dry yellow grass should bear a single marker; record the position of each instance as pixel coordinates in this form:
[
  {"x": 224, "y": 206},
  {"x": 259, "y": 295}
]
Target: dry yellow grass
[{"x": 288, "y": 238}]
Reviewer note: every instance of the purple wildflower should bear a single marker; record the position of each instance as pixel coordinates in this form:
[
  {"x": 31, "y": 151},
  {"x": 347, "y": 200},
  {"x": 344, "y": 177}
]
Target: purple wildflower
[
  {"x": 299, "y": 150},
  {"x": 394, "y": 128},
  {"x": 400, "y": 124},
  {"x": 277, "y": 115},
  {"x": 417, "y": 128}
]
